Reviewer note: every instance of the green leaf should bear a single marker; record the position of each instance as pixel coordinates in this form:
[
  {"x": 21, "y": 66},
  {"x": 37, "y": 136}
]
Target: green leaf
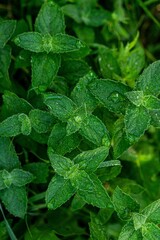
[
  {"x": 120, "y": 143},
  {"x": 150, "y": 231},
  {"x": 107, "y": 59},
  {"x": 77, "y": 203},
  {"x": 63, "y": 43},
  {"x": 58, "y": 192},
  {"x": 108, "y": 170},
  {"x": 124, "y": 204},
  {"x": 42, "y": 79},
  {"x": 145, "y": 81},
  {"x": 15, "y": 125},
  {"x": 7, "y": 28},
  {"x": 97, "y": 229},
  {"x": 2, "y": 183},
  {"x": 91, "y": 159},
  {"x": 25, "y": 124},
  {"x": 110, "y": 93},
  {"x": 41, "y": 121},
  {"x": 12, "y": 104},
  {"x": 81, "y": 94},
  {"x": 73, "y": 69},
  {"x": 5, "y": 59},
  {"x": 155, "y": 118},
  {"x": 152, "y": 212},
  {"x": 72, "y": 11},
  {"x": 8, "y": 157},
  {"x": 36, "y": 42},
  {"x": 59, "y": 105},
  {"x": 90, "y": 189},
  {"x": 60, "y": 164},
  {"x": 60, "y": 142},
  {"x": 21, "y": 177},
  {"x": 39, "y": 170},
  {"x": 32, "y": 41},
  {"x": 129, "y": 233},
  {"x": 40, "y": 233},
  {"x": 151, "y": 102},
  {"x": 135, "y": 97},
  {"x": 95, "y": 131},
  {"x": 76, "y": 121},
  {"x": 138, "y": 220},
  {"x": 50, "y": 19},
  {"x": 17, "y": 196},
  {"x": 7, "y": 178},
  {"x": 137, "y": 120}
]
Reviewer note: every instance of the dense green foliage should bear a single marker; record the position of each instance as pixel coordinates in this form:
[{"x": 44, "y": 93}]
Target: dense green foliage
[{"x": 79, "y": 120}]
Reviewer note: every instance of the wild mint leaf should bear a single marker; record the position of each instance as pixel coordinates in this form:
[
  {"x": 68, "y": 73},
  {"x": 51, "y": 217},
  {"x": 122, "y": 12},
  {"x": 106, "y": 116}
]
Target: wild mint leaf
[
  {"x": 135, "y": 97},
  {"x": 25, "y": 124},
  {"x": 7, "y": 178},
  {"x": 14, "y": 125},
  {"x": 76, "y": 121},
  {"x": 59, "y": 105},
  {"x": 58, "y": 192},
  {"x": 7, "y": 28},
  {"x": 155, "y": 117},
  {"x": 60, "y": 164},
  {"x": 90, "y": 189},
  {"x": 150, "y": 231},
  {"x": 41, "y": 121},
  {"x": 60, "y": 142},
  {"x": 91, "y": 159},
  {"x": 63, "y": 43},
  {"x": 108, "y": 170},
  {"x": 5, "y": 60},
  {"x": 137, "y": 120},
  {"x": 110, "y": 93},
  {"x": 42, "y": 79},
  {"x": 12, "y": 104},
  {"x": 95, "y": 131},
  {"x": 81, "y": 94},
  {"x": 77, "y": 203},
  {"x": 8, "y": 157},
  {"x": 17, "y": 196},
  {"x": 39, "y": 170},
  {"x": 129, "y": 233},
  {"x": 21, "y": 177},
  {"x": 151, "y": 102},
  {"x": 138, "y": 220},
  {"x": 97, "y": 229},
  {"x": 73, "y": 69},
  {"x": 152, "y": 212},
  {"x": 2, "y": 184},
  {"x": 124, "y": 204},
  {"x": 38, "y": 43},
  {"x": 81, "y": 181},
  {"x": 32, "y": 41},
  {"x": 50, "y": 19},
  {"x": 145, "y": 81},
  {"x": 120, "y": 143},
  {"x": 107, "y": 59}
]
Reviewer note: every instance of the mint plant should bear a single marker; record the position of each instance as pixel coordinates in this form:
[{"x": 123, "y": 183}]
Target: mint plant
[{"x": 79, "y": 122}]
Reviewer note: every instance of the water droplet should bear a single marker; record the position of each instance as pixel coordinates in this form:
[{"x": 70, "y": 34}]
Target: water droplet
[{"x": 116, "y": 97}]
